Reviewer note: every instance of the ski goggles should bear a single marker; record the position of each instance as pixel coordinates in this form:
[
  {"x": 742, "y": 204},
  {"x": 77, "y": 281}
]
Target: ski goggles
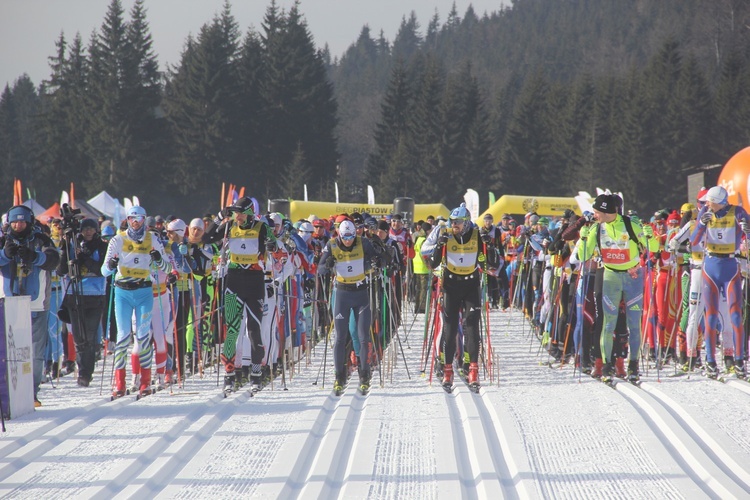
[
  {"x": 348, "y": 237},
  {"x": 136, "y": 218}
]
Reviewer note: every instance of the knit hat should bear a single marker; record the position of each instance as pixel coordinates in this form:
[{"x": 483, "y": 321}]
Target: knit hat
[
  {"x": 605, "y": 204},
  {"x": 674, "y": 218}
]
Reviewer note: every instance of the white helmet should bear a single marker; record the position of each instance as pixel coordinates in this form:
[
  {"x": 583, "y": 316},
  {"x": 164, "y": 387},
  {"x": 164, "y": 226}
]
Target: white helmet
[
  {"x": 305, "y": 231},
  {"x": 347, "y": 231},
  {"x": 718, "y": 195}
]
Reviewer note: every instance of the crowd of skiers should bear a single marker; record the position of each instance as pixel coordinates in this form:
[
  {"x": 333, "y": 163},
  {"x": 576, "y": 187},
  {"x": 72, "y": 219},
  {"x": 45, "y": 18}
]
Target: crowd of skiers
[
  {"x": 252, "y": 293},
  {"x": 606, "y": 287}
]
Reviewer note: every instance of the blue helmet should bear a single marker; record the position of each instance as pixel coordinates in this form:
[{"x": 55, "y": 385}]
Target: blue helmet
[
  {"x": 21, "y": 213},
  {"x": 460, "y": 213},
  {"x": 136, "y": 211},
  {"x": 108, "y": 231}
]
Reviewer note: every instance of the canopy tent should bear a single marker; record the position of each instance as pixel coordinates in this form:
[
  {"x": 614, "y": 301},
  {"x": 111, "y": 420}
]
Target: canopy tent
[
  {"x": 34, "y": 206},
  {"x": 51, "y": 212},
  {"x": 86, "y": 209},
  {"x": 109, "y": 206}
]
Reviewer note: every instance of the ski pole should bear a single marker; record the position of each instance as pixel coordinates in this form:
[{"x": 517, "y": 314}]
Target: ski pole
[{"x": 106, "y": 339}]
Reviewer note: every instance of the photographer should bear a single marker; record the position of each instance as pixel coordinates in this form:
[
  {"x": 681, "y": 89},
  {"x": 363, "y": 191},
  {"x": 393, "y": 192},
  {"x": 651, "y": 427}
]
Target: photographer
[
  {"x": 85, "y": 288},
  {"x": 26, "y": 258}
]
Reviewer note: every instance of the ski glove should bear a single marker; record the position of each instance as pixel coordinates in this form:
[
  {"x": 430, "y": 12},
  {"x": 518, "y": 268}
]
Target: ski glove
[
  {"x": 706, "y": 217},
  {"x": 155, "y": 255},
  {"x": 443, "y": 239},
  {"x": 648, "y": 231},
  {"x": 330, "y": 262},
  {"x": 486, "y": 239},
  {"x": 183, "y": 249},
  {"x": 27, "y": 254},
  {"x": 588, "y": 216},
  {"x": 112, "y": 264},
  {"x": 172, "y": 278},
  {"x": 10, "y": 248}
]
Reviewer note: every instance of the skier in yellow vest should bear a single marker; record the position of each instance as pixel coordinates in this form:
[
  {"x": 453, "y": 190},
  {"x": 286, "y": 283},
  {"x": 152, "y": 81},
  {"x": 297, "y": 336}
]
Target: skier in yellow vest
[{"x": 460, "y": 249}]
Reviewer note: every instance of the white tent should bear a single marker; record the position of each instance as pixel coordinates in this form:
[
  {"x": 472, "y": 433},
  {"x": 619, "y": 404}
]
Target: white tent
[{"x": 108, "y": 206}]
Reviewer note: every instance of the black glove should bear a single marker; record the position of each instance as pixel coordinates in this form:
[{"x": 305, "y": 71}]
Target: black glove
[
  {"x": 27, "y": 254},
  {"x": 155, "y": 255},
  {"x": 270, "y": 246},
  {"x": 310, "y": 284},
  {"x": 10, "y": 248},
  {"x": 443, "y": 239},
  {"x": 112, "y": 264},
  {"x": 171, "y": 278},
  {"x": 330, "y": 262},
  {"x": 269, "y": 290},
  {"x": 486, "y": 238}
]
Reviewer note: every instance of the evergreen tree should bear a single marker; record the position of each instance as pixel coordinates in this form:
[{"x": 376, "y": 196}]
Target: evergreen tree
[{"x": 392, "y": 127}]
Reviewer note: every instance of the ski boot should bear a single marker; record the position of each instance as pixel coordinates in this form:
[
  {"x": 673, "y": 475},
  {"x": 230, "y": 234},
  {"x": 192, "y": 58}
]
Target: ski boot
[
  {"x": 608, "y": 371},
  {"x": 339, "y": 385},
  {"x": 597, "y": 371},
  {"x": 364, "y": 382},
  {"x": 83, "y": 381},
  {"x": 448, "y": 378},
  {"x": 256, "y": 382},
  {"x": 189, "y": 365},
  {"x": 120, "y": 389},
  {"x": 229, "y": 386},
  {"x": 160, "y": 382},
  {"x": 245, "y": 375},
  {"x": 135, "y": 382},
  {"x": 633, "y": 374},
  {"x": 712, "y": 371},
  {"x": 739, "y": 369},
  {"x": 473, "y": 378},
  {"x": 620, "y": 368},
  {"x": 728, "y": 364},
  {"x": 37, "y": 403},
  {"x": 168, "y": 377},
  {"x": 145, "y": 388}
]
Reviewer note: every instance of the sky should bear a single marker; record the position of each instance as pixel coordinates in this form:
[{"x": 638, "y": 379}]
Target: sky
[{"x": 29, "y": 28}]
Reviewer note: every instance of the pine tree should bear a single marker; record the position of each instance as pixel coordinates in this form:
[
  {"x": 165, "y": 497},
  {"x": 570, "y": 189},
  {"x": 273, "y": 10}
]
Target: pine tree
[{"x": 392, "y": 126}]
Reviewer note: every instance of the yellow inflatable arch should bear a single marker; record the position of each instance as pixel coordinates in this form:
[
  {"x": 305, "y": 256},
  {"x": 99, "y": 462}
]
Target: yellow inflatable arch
[
  {"x": 303, "y": 209},
  {"x": 521, "y": 205}
]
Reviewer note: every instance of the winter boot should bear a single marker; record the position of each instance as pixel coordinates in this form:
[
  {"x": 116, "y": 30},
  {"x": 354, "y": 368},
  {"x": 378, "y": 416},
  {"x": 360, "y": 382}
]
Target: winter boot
[
  {"x": 633, "y": 375},
  {"x": 448, "y": 376},
  {"x": 119, "y": 383},
  {"x": 473, "y": 378},
  {"x": 620, "y": 368},
  {"x": 598, "y": 365}
]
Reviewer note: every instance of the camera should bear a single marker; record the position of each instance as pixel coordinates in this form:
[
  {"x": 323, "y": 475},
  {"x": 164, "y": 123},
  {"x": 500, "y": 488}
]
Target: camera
[{"x": 71, "y": 218}]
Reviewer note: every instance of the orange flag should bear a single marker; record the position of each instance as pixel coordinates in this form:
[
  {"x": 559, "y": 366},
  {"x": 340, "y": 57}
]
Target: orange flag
[{"x": 72, "y": 196}]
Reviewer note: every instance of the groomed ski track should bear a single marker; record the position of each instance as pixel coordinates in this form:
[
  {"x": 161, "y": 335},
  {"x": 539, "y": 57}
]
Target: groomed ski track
[{"x": 540, "y": 433}]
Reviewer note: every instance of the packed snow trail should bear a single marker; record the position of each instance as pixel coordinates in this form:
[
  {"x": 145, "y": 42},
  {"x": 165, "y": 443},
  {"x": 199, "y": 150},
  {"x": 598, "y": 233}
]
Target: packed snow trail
[{"x": 541, "y": 433}]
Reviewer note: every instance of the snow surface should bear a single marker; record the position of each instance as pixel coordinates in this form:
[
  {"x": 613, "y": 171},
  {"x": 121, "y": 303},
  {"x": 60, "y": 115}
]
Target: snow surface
[{"x": 540, "y": 433}]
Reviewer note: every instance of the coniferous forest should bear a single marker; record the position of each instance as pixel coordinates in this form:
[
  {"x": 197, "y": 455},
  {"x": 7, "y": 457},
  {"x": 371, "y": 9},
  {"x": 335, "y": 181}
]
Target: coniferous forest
[{"x": 544, "y": 97}]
